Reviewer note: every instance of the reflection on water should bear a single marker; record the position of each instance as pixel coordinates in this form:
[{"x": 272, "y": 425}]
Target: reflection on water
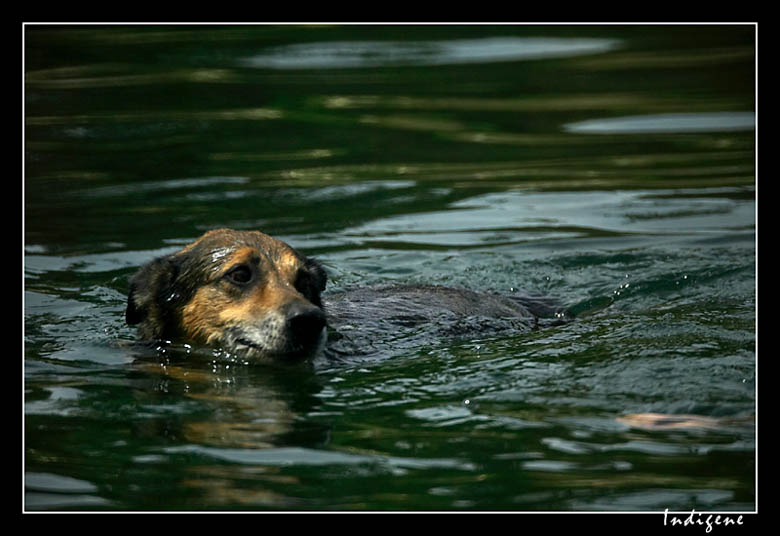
[
  {"x": 522, "y": 216},
  {"x": 346, "y": 54},
  {"x": 641, "y": 124}
]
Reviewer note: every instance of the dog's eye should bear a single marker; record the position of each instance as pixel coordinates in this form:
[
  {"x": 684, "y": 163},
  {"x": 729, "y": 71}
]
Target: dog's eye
[{"x": 241, "y": 274}]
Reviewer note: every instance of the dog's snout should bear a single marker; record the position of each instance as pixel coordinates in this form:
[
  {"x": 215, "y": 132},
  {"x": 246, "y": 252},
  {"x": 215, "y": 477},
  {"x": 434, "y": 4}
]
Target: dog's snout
[{"x": 305, "y": 322}]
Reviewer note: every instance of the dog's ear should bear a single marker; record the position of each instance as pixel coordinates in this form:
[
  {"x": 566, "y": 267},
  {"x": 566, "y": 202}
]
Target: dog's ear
[
  {"x": 145, "y": 288},
  {"x": 318, "y": 273},
  {"x": 311, "y": 281}
]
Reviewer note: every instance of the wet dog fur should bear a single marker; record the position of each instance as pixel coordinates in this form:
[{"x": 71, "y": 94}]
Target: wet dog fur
[
  {"x": 256, "y": 297},
  {"x": 241, "y": 290}
]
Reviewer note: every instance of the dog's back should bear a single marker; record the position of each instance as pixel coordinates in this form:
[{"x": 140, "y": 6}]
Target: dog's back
[{"x": 389, "y": 318}]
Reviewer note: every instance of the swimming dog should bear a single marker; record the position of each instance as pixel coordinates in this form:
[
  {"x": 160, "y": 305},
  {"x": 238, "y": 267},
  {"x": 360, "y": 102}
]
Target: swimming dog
[
  {"x": 256, "y": 296},
  {"x": 241, "y": 290}
]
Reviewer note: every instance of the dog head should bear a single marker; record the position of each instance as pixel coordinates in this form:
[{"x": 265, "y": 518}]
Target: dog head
[{"x": 242, "y": 290}]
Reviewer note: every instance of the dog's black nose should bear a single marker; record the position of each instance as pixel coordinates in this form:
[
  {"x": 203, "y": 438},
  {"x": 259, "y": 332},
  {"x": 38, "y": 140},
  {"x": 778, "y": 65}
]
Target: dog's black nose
[{"x": 305, "y": 324}]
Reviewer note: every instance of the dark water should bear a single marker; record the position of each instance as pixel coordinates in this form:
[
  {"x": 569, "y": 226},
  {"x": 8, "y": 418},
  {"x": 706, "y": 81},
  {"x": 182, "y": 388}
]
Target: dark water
[{"x": 610, "y": 168}]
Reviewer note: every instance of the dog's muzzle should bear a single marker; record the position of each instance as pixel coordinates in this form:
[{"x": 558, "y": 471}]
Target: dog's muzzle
[{"x": 294, "y": 333}]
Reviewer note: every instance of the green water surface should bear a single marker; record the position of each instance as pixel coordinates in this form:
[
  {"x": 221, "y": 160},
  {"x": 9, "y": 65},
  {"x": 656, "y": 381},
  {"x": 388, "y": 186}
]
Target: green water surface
[{"x": 608, "y": 167}]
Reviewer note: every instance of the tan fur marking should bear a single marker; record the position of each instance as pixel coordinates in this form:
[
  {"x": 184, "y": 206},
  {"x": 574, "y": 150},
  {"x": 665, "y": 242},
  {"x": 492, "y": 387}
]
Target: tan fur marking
[
  {"x": 242, "y": 255},
  {"x": 288, "y": 266},
  {"x": 261, "y": 302},
  {"x": 200, "y": 317}
]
